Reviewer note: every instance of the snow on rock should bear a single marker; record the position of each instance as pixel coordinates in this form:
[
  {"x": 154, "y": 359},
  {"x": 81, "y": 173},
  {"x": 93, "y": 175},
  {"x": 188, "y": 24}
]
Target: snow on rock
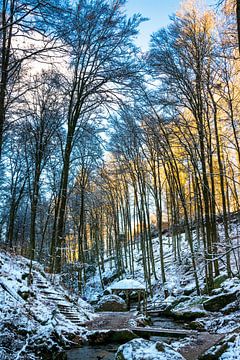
[
  {"x": 111, "y": 303},
  {"x": 233, "y": 351},
  {"x": 139, "y": 349},
  {"x": 229, "y": 292},
  {"x": 189, "y": 309},
  {"x": 223, "y": 324}
]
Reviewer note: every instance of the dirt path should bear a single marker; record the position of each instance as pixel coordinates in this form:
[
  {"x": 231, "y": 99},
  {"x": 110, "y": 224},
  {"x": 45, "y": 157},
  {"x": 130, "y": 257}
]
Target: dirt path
[
  {"x": 200, "y": 343},
  {"x": 111, "y": 321}
]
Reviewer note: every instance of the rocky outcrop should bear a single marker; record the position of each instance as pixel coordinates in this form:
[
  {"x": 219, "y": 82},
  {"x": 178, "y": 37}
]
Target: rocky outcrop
[
  {"x": 233, "y": 306},
  {"x": 111, "y": 303},
  {"x": 219, "y": 280},
  {"x": 188, "y": 313},
  {"x": 218, "y": 302},
  {"x": 189, "y": 309}
]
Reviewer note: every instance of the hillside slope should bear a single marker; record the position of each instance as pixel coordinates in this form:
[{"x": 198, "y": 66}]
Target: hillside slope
[{"x": 42, "y": 318}]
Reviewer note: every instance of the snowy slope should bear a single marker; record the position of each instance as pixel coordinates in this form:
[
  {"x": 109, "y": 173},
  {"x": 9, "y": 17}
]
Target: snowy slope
[{"x": 46, "y": 321}]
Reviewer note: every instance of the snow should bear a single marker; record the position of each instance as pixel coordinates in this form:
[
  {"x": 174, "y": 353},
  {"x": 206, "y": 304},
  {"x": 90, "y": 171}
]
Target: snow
[
  {"x": 26, "y": 325},
  {"x": 127, "y": 284},
  {"x": 39, "y": 318},
  {"x": 111, "y": 298},
  {"x": 139, "y": 349},
  {"x": 233, "y": 352}
]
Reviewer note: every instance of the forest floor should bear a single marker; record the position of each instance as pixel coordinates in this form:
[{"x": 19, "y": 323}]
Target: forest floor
[
  {"x": 45, "y": 318},
  {"x": 41, "y": 318},
  {"x": 111, "y": 321},
  {"x": 183, "y": 300}
]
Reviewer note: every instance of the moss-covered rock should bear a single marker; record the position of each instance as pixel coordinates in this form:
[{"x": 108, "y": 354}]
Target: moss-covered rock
[
  {"x": 219, "y": 280},
  {"x": 197, "y": 325}
]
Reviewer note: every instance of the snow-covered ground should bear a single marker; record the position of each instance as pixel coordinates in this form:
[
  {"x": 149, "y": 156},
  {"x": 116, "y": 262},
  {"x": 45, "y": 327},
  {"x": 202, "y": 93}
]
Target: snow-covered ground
[
  {"x": 181, "y": 285},
  {"x": 35, "y": 325}
]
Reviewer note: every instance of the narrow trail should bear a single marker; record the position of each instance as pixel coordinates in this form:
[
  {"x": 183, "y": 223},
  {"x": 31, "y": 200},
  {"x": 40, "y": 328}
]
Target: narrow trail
[
  {"x": 58, "y": 301},
  {"x": 111, "y": 321},
  {"x": 199, "y": 342}
]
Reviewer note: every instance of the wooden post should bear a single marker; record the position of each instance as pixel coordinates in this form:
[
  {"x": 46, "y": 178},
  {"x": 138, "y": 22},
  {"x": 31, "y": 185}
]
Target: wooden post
[
  {"x": 145, "y": 301},
  {"x": 128, "y": 299},
  {"x": 139, "y": 299}
]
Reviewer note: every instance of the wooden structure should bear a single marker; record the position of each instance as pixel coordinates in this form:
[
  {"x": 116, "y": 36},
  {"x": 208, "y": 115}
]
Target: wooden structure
[
  {"x": 152, "y": 331},
  {"x": 128, "y": 286}
]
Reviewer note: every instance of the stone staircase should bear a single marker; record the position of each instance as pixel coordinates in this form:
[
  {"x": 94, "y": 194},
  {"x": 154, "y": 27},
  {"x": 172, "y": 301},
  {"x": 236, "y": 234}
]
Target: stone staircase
[{"x": 60, "y": 304}]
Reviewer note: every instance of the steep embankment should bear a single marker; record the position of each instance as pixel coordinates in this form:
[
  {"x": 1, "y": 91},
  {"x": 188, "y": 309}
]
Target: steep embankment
[{"x": 38, "y": 320}]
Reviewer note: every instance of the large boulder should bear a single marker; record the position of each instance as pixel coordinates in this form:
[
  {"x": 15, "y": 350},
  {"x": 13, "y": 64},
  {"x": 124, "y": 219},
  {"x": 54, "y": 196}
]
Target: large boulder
[
  {"x": 111, "y": 303},
  {"x": 217, "y": 302},
  {"x": 171, "y": 302},
  {"x": 110, "y": 336},
  {"x": 190, "y": 309},
  {"x": 188, "y": 314},
  {"x": 139, "y": 349}
]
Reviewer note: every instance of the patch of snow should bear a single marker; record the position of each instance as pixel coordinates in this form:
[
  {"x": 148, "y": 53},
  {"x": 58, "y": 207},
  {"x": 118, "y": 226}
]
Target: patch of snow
[
  {"x": 127, "y": 284},
  {"x": 233, "y": 352},
  {"x": 139, "y": 349}
]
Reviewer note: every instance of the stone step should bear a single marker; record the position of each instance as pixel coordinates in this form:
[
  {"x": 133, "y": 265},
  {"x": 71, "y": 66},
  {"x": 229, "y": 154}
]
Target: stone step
[
  {"x": 77, "y": 322},
  {"x": 66, "y": 305},
  {"x": 72, "y": 318},
  {"x": 42, "y": 286},
  {"x": 69, "y": 314},
  {"x": 51, "y": 292}
]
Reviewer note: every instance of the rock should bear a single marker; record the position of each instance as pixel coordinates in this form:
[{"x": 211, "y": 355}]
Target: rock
[
  {"x": 111, "y": 303},
  {"x": 110, "y": 276},
  {"x": 110, "y": 336},
  {"x": 107, "y": 291},
  {"x": 188, "y": 313},
  {"x": 180, "y": 299},
  {"x": 217, "y": 302},
  {"x": 190, "y": 309},
  {"x": 217, "y": 291},
  {"x": 25, "y": 293},
  {"x": 228, "y": 309},
  {"x": 143, "y": 321},
  {"x": 171, "y": 302},
  {"x": 139, "y": 349},
  {"x": 94, "y": 299},
  {"x": 219, "y": 280},
  {"x": 197, "y": 325},
  {"x": 189, "y": 290}
]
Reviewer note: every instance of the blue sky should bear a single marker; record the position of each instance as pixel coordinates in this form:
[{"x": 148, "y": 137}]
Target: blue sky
[{"x": 158, "y": 11}]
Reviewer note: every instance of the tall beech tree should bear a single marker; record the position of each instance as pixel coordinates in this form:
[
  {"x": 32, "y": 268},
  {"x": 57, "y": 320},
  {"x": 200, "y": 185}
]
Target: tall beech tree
[
  {"x": 98, "y": 38},
  {"x": 27, "y": 33}
]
